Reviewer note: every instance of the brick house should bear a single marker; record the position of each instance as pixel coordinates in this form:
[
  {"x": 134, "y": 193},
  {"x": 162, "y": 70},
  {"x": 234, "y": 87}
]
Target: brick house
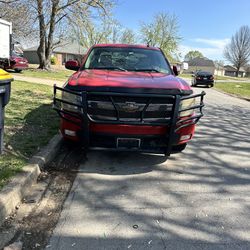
[{"x": 62, "y": 53}]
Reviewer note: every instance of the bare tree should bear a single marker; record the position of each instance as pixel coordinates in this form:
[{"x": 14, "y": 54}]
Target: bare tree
[
  {"x": 23, "y": 21},
  {"x": 116, "y": 28},
  {"x": 89, "y": 30},
  {"x": 128, "y": 36},
  {"x": 238, "y": 50},
  {"x": 162, "y": 32},
  {"x": 49, "y": 16}
]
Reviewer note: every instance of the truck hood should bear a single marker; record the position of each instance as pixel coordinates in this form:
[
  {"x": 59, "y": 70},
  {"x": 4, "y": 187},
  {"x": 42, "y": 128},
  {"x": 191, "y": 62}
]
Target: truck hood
[{"x": 110, "y": 80}]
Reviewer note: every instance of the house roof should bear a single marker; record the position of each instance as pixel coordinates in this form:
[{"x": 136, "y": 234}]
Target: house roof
[
  {"x": 247, "y": 68},
  {"x": 232, "y": 68},
  {"x": 201, "y": 62},
  {"x": 65, "y": 48}
]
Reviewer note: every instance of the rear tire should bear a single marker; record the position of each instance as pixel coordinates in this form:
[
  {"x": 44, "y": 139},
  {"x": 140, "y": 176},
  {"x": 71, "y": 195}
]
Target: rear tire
[{"x": 18, "y": 70}]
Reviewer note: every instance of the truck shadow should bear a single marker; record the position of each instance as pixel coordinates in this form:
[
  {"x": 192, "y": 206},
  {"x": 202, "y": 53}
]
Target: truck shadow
[{"x": 120, "y": 163}]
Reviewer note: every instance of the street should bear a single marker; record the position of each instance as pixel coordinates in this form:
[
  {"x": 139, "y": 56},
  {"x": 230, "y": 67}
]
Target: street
[{"x": 198, "y": 199}]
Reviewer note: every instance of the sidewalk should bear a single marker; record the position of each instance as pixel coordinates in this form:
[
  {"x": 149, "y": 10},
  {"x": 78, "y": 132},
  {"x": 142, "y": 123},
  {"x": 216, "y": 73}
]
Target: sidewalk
[{"x": 38, "y": 80}]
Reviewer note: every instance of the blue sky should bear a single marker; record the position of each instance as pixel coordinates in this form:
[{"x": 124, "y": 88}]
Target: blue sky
[{"x": 203, "y": 25}]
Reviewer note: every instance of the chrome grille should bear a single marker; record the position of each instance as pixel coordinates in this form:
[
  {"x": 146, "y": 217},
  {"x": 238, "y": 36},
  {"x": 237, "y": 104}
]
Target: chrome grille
[{"x": 129, "y": 109}]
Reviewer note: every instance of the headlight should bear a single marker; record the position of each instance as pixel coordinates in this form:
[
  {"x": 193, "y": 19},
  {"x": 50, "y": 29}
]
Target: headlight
[
  {"x": 70, "y": 98},
  {"x": 188, "y": 103}
]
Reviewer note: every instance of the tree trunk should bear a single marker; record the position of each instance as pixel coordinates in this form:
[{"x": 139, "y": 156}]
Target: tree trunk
[
  {"x": 237, "y": 71},
  {"x": 41, "y": 55},
  {"x": 42, "y": 36},
  {"x": 48, "y": 49}
]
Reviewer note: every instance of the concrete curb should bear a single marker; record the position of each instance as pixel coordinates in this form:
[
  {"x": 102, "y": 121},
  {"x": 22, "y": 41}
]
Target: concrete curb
[{"x": 15, "y": 190}]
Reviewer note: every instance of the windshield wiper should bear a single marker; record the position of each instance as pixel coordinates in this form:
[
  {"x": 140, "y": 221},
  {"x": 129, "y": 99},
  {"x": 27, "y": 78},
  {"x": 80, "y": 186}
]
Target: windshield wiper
[
  {"x": 150, "y": 70},
  {"x": 110, "y": 68}
]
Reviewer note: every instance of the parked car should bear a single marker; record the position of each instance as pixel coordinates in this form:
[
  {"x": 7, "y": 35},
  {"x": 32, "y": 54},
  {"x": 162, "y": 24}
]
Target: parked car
[
  {"x": 127, "y": 97},
  {"x": 203, "y": 78},
  {"x": 16, "y": 63}
]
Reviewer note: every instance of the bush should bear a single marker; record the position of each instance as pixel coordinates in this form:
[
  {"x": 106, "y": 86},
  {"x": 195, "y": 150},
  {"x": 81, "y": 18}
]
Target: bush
[{"x": 53, "y": 60}]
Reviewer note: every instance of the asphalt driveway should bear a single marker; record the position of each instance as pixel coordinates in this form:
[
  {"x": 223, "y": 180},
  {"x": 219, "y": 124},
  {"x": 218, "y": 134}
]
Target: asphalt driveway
[{"x": 198, "y": 199}]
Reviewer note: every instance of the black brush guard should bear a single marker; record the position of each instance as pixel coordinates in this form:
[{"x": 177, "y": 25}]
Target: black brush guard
[{"x": 83, "y": 119}]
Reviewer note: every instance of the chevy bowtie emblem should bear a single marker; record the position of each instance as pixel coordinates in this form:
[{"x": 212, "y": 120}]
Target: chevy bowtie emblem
[{"x": 129, "y": 107}]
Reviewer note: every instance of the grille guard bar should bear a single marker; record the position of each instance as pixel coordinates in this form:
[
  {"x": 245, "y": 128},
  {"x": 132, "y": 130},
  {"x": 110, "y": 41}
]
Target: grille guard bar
[{"x": 82, "y": 118}]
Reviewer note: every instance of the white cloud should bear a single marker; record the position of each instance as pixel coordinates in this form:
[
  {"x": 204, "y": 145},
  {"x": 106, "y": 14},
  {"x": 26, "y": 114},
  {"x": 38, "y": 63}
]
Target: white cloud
[
  {"x": 216, "y": 43},
  {"x": 211, "y": 48}
]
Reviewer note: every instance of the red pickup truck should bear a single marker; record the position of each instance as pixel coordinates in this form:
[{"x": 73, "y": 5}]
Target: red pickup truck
[{"x": 127, "y": 97}]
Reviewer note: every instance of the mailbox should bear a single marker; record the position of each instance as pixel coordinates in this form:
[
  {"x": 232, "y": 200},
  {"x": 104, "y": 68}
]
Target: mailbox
[{"x": 5, "y": 87}]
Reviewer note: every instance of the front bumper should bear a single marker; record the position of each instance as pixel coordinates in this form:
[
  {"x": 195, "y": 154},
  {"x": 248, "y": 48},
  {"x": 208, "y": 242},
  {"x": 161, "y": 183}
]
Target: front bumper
[
  {"x": 20, "y": 66},
  {"x": 15, "y": 65},
  {"x": 86, "y": 126}
]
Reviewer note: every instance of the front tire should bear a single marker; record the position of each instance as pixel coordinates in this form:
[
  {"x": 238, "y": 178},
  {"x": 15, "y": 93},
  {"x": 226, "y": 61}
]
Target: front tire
[{"x": 18, "y": 70}]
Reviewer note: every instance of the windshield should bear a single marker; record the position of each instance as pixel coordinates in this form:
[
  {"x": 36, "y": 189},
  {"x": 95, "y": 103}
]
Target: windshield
[
  {"x": 17, "y": 54},
  {"x": 127, "y": 59}
]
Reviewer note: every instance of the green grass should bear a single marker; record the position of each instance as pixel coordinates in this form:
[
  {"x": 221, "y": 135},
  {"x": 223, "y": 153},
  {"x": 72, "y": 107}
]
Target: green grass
[
  {"x": 62, "y": 75},
  {"x": 30, "y": 123},
  {"x": 241, "y": 89},
  {"x": 229, "y": 78},
  {"x": 185, "y": 76}
]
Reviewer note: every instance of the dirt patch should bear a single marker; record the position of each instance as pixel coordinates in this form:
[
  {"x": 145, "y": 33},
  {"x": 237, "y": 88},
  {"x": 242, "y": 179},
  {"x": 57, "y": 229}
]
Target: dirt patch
[{"x": 35, "y": 229}]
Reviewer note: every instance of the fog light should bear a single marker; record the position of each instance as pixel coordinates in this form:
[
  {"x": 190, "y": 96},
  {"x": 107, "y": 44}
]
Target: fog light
[
  {"x": 185, "y": 137},
  {"x": 70, "y": 132}
]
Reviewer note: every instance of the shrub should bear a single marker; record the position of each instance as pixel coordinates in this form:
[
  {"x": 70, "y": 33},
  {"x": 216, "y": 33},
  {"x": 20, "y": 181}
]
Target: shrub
[{"x": 53, "y": 60}]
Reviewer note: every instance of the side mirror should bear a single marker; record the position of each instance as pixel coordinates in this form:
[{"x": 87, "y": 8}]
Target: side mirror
[
  {"x": 175, "y": 70},
  {"x": 72, "y": 65}
]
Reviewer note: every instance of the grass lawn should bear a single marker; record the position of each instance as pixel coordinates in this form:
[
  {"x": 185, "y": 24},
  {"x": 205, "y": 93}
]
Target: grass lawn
[
  {"x": 241, "y": 89},
  {"x": 30, "y": 123},
  {"x": 229, "y": 78},
  {"x": 185, "y": 76},
  {"x": 53, "y": 74}
]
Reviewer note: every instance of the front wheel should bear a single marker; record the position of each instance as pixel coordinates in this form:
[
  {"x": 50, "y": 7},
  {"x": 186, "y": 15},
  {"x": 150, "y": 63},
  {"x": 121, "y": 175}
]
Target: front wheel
[{"x": 18, "y": 70}]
